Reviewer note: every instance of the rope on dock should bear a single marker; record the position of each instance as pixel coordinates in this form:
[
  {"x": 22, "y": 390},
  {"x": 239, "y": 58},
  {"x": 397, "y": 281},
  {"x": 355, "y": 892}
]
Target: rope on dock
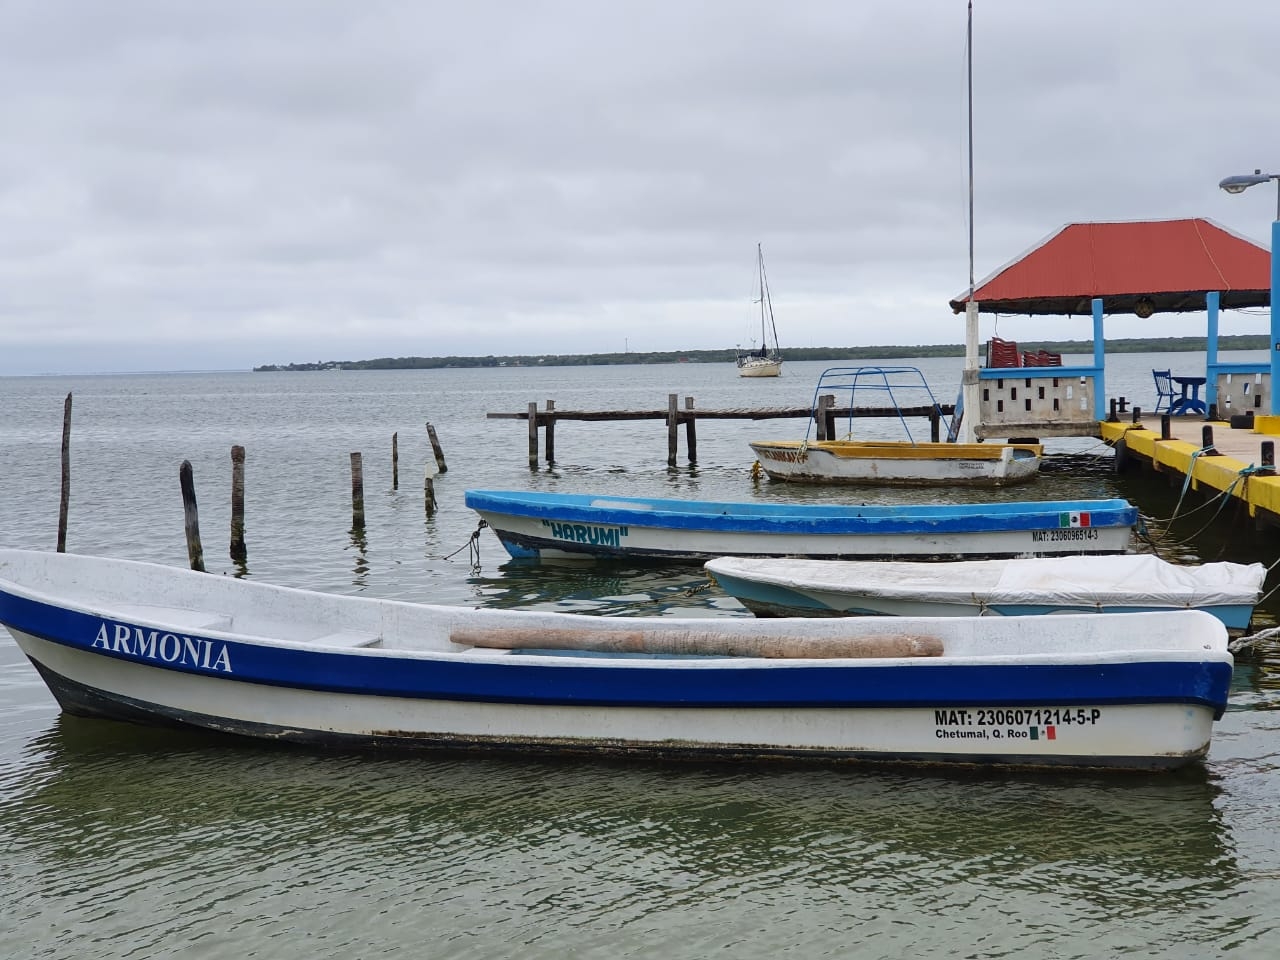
[{"x": 1222, "y": 498}]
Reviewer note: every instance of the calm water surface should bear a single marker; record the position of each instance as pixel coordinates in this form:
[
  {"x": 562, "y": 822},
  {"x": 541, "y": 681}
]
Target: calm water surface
[{"x": 117, "y": 841}]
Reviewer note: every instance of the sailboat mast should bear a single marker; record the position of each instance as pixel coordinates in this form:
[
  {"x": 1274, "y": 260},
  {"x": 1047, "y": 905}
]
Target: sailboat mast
[{"x": 764, "y": 338}]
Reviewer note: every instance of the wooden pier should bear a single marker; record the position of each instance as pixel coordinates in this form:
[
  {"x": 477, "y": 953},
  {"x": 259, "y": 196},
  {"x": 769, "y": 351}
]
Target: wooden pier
[{"x": 674, "y": 415}]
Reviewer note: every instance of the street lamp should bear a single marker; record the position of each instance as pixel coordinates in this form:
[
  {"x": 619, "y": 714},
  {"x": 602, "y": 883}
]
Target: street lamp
[{"x": 1239, "y": 184}]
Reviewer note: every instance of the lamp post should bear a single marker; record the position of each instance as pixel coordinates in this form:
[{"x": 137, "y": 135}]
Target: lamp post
[{"x": 1239, "y": 184}]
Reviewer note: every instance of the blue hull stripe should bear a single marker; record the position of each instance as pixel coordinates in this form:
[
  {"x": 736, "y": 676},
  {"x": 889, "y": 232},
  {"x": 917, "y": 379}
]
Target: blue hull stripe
[
  {"x": 573, "y": 680},
  {"x": 753, "y": 517}
]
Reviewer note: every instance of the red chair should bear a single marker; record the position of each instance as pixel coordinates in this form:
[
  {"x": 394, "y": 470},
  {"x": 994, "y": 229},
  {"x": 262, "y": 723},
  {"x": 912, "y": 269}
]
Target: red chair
[{"x": 1003, "y": 353}]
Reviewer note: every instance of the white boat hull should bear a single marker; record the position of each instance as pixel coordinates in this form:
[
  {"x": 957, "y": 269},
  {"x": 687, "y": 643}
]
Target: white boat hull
[
  {"x": 1097, "y": 735},
  {"x": 757, "y": 367},
  {"x": 898, "y": 463}
]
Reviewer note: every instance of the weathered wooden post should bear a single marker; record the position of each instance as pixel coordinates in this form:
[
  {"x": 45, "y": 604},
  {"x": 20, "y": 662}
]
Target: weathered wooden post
[
  {"x": 690, "y": 431},
  {"x": 395, "y": 461},
  {"x": 533, "y": 435},
  {"x": 673, "y": 428},
  {"x": 935, "y": 424},
  {"x": 65, "y": 501},
  {"x": 435, "y": 448},
  {"x": 1137, "y": 414},
  {"x": 551, "y": 432},
  {"x": 1268, "y": 457},
  {"x": 829, "y": 415},
  {"x": 238, "y": 551},
  {"x": 1166, "y": 427},
  {"x": 429, "y": 489},
  {"x": 191, "y": 516},
  {"x": 357, "y": 492},
  {"x": 820, "y": 416}
]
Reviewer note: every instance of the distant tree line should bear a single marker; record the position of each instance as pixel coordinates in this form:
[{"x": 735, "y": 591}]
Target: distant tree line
[{"x": 1134, "y": 345}]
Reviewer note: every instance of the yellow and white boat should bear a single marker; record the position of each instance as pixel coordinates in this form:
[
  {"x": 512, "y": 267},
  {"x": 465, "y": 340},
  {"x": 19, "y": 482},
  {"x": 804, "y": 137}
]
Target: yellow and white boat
[{"x": 898, "y": 462}]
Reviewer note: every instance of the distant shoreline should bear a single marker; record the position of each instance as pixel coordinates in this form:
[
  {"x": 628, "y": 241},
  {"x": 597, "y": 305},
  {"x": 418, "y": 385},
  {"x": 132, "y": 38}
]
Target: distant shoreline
[{"x": 1134, "y": 345}]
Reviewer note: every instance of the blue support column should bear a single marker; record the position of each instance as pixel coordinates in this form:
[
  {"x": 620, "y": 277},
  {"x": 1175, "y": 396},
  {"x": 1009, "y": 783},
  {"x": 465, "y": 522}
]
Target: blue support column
[
  {"x": 1099, "y": 360},
  {"x": 1275, "y": 319},
  {"x": 1211, "y": 301}
]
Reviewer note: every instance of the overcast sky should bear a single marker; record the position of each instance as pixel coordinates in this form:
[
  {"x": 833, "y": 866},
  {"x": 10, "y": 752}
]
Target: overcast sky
[{"x": 222, "y": 185}]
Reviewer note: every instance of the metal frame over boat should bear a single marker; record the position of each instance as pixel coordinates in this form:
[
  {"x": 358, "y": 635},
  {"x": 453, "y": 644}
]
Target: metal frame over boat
[
  {"x": 899, "y": 462},
  {"x": 159, "y": 645},
  {"x": 1028, "y": 587},
  {"x": 563, "y": 525}
]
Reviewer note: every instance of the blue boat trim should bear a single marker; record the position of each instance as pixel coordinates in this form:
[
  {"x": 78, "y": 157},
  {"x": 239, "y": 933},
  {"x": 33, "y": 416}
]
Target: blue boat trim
[{"x": 568, "y": 681}]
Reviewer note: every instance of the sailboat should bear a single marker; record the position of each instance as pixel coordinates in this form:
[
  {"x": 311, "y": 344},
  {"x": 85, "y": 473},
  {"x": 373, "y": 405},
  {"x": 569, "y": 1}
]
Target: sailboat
[{"x": 765, "y": 361}]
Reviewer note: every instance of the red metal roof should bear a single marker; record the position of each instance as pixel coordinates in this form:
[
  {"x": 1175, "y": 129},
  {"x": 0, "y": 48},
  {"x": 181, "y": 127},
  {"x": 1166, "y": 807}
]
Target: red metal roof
[{"x": 1169, "y": 264}]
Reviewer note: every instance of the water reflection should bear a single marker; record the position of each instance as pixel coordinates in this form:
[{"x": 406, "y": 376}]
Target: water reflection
[
  {"x": 603, "y": 588},
  {"x": 102, "y": 793}
]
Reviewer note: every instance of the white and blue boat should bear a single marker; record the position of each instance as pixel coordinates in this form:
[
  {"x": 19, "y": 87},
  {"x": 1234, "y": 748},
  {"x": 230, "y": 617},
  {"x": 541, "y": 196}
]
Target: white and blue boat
[
  {"x": 149, "y": 644},
  {"x": 983, "y": 588},
  {"x": 561, "y": 525}
]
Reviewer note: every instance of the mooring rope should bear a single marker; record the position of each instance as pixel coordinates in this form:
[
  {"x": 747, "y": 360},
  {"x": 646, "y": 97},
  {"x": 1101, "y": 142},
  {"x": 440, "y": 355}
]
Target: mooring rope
[
  {"x": 472, "y": 546},
  {"x": 1240, "y": 644}
]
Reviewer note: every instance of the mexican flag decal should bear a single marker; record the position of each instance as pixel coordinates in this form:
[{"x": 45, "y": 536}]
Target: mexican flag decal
[
  {"x": 1048, "y": 733},
  {"x": 1073, "y": 520}
]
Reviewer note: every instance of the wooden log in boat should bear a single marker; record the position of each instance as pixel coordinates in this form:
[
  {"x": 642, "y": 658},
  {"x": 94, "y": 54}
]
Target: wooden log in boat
[{"x": 704, "y": 643}]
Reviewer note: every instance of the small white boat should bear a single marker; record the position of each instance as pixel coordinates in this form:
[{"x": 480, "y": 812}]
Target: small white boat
[
  {"x": 568, "y": 525},
  {"x": 895, "y": 462},
  {"x": 899, "y": 462},
  {"x": 158, "y": 645},
  {"x": 765, "y": 360},
  {"x": 1027, "y": 587}
]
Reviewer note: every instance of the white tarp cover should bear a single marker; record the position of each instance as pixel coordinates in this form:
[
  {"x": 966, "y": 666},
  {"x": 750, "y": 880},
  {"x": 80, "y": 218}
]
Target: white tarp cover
[{"x": 1128, "y": 580}]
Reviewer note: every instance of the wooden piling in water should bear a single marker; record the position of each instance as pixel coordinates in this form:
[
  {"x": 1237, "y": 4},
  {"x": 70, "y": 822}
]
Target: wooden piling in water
[
  {"x": 238, "y": 552},
  {"x": 551, "y": 432},
  {"x": 429, "y": 489},
  {"x": 357, "y": 492},
  {"x": 533, "y": 435},
  {"x": 673, "y": 428},
  {"x": 191, "y": 517},
  {"x": 435, "y": 448},
  {"x": 64, "y": 502},
  {"x": 395, "y": 461},
  {"x": 690, "y": 431}
]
